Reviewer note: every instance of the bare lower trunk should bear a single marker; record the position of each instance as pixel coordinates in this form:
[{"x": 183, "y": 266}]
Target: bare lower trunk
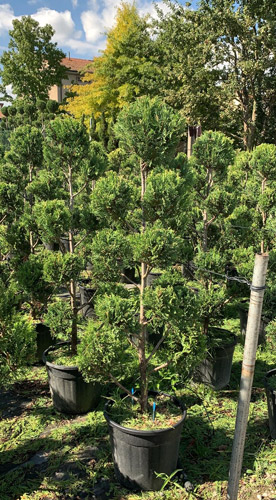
[
  {"x": 142, "y": 345},
  {"x": 205, "y": 231},
  {"x": 74, "y": 330},
  {"x": 31, "y": 209},
  {"x": 249, "y": 125},
  {"x": 143, "y": 328}
]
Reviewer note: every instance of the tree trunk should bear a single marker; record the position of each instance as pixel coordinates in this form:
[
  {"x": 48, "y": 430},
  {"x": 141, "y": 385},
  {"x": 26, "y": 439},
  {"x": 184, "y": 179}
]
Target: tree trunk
[
  {"x": 205, "y": 231},
  {"x": 73, "y": 299},
  {"x": 143, "y": 328},
  {"x": 249, "y": 124},
  {"x": 31, "y": 209}
]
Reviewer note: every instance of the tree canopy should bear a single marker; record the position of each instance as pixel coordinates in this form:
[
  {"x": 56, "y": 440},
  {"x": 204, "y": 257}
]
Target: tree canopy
[
  {"x": 32, "y": 65},
  {"x": 124, "y": 71},
  {"x": 219, "y": 66}
]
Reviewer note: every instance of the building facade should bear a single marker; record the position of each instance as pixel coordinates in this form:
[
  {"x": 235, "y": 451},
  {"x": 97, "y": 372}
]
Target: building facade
[{"x": 74, "y": 68}]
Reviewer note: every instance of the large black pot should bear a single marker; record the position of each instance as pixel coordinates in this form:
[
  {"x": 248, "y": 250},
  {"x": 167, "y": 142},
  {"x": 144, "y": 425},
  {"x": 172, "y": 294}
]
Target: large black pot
[
  {"x": 138, "y": 455},
  {"x": 271, "y": 402},
  {"x": 43, "y": 340},
  {"x": 152, "y": 277},
  {"x": 70, "y": 393},
  {"x": 86, "y": 294},
  {"x": 243, "y": 324},
  {"x": 129, "y": 276},
  {"x": 215, "y": 370}
]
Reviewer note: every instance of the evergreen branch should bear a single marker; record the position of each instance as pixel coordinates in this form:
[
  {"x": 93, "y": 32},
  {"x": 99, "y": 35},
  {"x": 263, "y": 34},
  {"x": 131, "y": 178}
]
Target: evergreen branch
[
  {"x": 155, "y": 349},
  {"x": 80, "y": 241},
  {"x": 3, "y": 218},
  {"x": 157, "y": 368},
  {"x": 122, "y": 387},
  {"x": 81, "y": 189},
  {"x": 132, "y": 282}
]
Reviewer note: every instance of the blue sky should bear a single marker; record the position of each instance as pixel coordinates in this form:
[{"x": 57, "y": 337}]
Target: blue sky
[{"x": 79, "y": 24}]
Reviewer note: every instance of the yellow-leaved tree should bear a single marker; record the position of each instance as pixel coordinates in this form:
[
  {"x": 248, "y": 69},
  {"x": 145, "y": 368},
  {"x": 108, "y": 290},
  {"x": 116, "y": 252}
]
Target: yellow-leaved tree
[{"x": 124, "y": 71}]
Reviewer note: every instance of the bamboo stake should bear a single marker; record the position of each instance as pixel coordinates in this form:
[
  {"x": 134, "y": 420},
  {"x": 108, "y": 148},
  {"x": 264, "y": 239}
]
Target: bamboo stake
[{"x": 248, "y": 366}]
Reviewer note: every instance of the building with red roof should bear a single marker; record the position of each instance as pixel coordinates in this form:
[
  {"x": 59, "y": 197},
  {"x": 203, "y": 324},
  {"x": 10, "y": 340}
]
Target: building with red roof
[{"x": 75, "y": 67}]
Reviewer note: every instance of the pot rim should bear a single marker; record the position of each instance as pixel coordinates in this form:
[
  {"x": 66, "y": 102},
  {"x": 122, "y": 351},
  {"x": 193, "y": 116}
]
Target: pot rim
[
  {"x": 231, "y": 334},
  {"x": 269, "y": 374},
  {"x": 142, "y": 433},
  {"x": 53, "y": 365}
]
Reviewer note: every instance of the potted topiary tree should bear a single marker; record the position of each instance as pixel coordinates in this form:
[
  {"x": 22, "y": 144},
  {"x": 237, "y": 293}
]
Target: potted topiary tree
[
  {"x": 151, "y": 329},
  {"x": 254, "y": 222},
  {"x": 213, "y": 153},
  {"x": 77, "y": 163},
  {"x": 18, "y": 173},
  {"x": 263, "y": 164}
]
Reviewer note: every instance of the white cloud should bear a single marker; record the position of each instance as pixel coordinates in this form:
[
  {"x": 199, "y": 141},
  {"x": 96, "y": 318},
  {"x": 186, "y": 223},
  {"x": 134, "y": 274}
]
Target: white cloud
[
  {"x": 149, "y": 8},
  {"x": 34, "y": 2},
  {"x": 66, "y": 34},
  {"x": 6, "y": 17},
  {"x": 62, "y": 23},
  {"x": 9, "y": 91},
  {"x": 74, "y": 3},
  {"x": 96, "y": 22}
]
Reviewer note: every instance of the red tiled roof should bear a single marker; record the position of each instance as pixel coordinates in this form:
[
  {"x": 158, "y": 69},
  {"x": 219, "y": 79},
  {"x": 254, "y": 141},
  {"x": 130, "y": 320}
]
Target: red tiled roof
[{"x": 75, "y": 64}]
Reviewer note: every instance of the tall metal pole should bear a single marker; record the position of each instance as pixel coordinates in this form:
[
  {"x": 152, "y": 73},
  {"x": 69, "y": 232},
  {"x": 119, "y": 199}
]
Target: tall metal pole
[{"x": 248, "y": 366}]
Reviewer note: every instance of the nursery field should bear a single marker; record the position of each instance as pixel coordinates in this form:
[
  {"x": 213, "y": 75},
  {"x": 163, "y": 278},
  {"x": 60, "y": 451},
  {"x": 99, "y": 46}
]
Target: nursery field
[{"x": 48, "y": 455}]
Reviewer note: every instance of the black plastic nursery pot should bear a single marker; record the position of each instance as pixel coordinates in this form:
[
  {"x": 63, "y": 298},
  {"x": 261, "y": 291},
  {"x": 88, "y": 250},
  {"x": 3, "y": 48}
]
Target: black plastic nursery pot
[
  {"x": 129, "y": 276},
  {"x": 69, "y": 392},
  {"x": 138, "y": 455},
  {"x": 86, "y": 294},
  {"x": 243, "y": 323},
  {"x": 215, "y": 370},
  {"x": 271, "y": 401},
  {"x": 43, "y": 340}
]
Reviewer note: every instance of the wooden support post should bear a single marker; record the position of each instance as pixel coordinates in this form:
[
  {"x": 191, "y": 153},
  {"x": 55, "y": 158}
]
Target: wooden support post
[{"x": 248, "y": 366}]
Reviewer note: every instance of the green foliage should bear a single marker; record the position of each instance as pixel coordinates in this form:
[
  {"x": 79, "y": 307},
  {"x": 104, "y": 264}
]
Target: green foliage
[
  {"x": 60, "y": 268},
  {"x": 213, "y": 153},
  {"x": 145, "y": 232},
  {"x": 32, "y": 65},
  {"x": 166, "y": 198},
  {"x": 17, "y": 336},
  {"x": 263, "y": 161},
  {"x": 149, "y": 129},
  {"x": 108, "y": 346},
  {"x": 29, "y": 275},
  {"x": 110, "y": 254},
  {"x": 52, "y": 106},
  {"x": 66, "y": 143},
  {"x": 157, "y": 246},
  {"x": 218, "y": 66},
  {"x": 25, "y": 149},
  {"x": 212, "y": 150},
  {"x": 53, "y": 219},
  {"x": 112, "y": 198},
  {"x": 59, "y": 318}
]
